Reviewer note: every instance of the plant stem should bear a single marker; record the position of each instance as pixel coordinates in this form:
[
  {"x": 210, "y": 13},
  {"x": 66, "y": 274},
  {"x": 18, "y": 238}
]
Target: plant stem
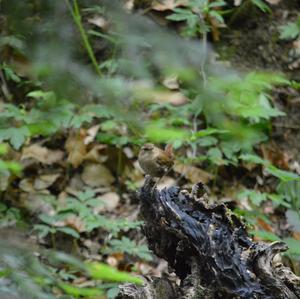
[{"x": 78, "y": 21}]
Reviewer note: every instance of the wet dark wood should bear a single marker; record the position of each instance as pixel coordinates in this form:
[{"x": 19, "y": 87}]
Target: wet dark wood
[{"x": 209, "y": 249}]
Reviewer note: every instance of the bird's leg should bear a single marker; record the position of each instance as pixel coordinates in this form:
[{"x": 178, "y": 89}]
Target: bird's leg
[{"x": 155, "y": 185}]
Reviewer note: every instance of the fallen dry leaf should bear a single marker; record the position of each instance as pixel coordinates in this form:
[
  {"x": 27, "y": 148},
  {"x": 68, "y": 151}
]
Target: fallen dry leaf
[
  {"x": 96, "y": 175},
  {"x": 76, "y": 148},
  {"x": 192, "y": 173},
  {"x": 96, "y": 154},
  {"x": 44, "y": 181},
  {"x": 91, "y": 134},
  {"x": 36, "y": 203},
  {"x": 296, "y": 44},
  {"x": 168, "y": 4},
  {"x": 41, "y": 154},
  {"x": 27, "y": 185},
  {"x": 237, "y": 2},
  {"x": 296, "y": 235},
  {"x": 99, "y": 22},
  {"x": 75, "y": 222},
  {"x": 171, "y": 82},
  {"x": 274, "y": 2},
  {"x": 4, "y": 180},
  {"x": 108, "y": 202},
  {"x": 275, "y": 155},
  {"x": 75, "y": 184},
  {"x": 161, "y": 96}
]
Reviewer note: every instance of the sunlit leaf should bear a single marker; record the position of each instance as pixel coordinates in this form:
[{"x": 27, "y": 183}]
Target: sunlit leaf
[{"x": 107, "y": 273}]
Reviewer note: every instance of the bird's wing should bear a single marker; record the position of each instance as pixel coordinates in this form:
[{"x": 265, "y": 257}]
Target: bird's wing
[
  {"x": 164, "y": 161},
  {"x": 169, "y": 150}
]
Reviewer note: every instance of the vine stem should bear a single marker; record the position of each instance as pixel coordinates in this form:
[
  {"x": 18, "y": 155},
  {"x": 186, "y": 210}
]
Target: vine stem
[{"x": 75, "y": 12}]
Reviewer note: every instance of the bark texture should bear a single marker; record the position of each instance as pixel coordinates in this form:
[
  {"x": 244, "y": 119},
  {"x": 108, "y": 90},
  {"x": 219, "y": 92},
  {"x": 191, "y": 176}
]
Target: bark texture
[{"x": 209, "y": 250}]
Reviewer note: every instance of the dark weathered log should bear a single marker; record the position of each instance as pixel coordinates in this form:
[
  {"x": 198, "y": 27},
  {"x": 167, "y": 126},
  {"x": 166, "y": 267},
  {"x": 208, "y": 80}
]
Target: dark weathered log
[
  {"x": 209, "y": 249},
  {"x": 153, "y": 288}
]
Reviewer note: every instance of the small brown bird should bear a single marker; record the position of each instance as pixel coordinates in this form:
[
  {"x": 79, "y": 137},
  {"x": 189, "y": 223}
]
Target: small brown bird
[{"x": 155, "y": 161}]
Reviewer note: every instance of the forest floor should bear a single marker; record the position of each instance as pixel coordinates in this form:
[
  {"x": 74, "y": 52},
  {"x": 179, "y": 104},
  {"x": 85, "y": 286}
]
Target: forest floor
[{"x": 61, "y": 166}]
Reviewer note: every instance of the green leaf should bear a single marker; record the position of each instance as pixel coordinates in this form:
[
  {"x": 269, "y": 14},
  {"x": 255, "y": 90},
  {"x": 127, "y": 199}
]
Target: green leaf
[
  {"x": 261, "y": 5},
  {"x": 112, "y": 293},
  {"x": 207, "y": 141},
  {"x": 278, "y": 199},
  {"x": 294, "y": 246},
  {"x": 80, "y": 291},
  {"x": 283, "y": 175},
  {"x": 253, "y": 159},
  {"x": 39, "y": 94},
  {"x": 12, "y": 166},
  {"x": 16, "y": 136},
  {"x": 108, "y": 125},
  {"x": 50, "y": 220},
  {"x": 13, "y": 42},
  {"x": 181, "y": 14},
  {"x": 215, "y": 156},
  {"x": 265, "y": 235},
  {"x": 69, "y": 231},
  {"x": 293, "y": 218},
  {"x": 3, "y": 149},
  {"x": 254, "y": 196},
  {"x": 107, "y": 273},
  {"x": 210, "y": 131},
  {"x": 291, "y": 192},
  {"x": 77, "y": 120},
  {"x": 159, "y": 134},
  {"x": 129, "y": 246},
  {"x": 86, "y": 194},
  {"x": 289, "y": 31},
  {"x": 43, "y": 230},
  {"x": 10, "y": 74},
  {"x": 217, "y": 16},
  {"x": 217, "y": 4}
]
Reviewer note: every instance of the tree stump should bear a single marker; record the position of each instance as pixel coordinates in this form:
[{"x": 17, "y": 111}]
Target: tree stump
[{"x": 209, "y": 249}]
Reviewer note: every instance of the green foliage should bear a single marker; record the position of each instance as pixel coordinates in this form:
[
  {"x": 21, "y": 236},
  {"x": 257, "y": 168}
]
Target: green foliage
[
  {"x": 9, "y": 216},
  {"x": 284, "y": 176},
  {"x": 265, "y": 235},
  {"x": 257, "y": 198},
  {"x": 8, "y": 166},
  {"x": 248, "y": 97},
  {"x": 82, "y": 209},
  {"x": 220, "y": 124},
  {"x": 294, "y": 247},
  {"x": 130, "y": 247},
  {"x": 77, "y": 216},
  {"x": 291, "y": 30},
  {"x": 195, "y": 14},
  {"x": 291, "y": 193},
  {"x": 23, "y": 274},
  {"x": 9, "y": 73},
  {"x": 157, "y": 133},
  {"x": 261, "y": 5},
  {"x": 48, "y": 116},
  {"x": 104, "y": 272}
]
